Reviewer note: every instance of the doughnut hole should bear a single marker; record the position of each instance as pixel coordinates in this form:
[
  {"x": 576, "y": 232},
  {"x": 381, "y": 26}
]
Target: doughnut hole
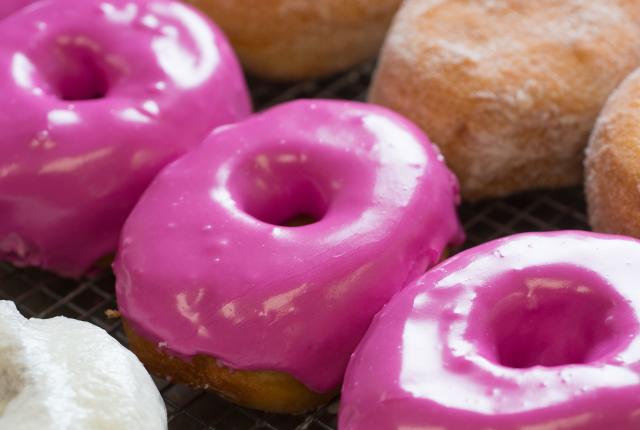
[
  {"x": 291, "y": 201},
  {"x": 552, "y": 320},
  {"x": 283, "y": 188},
  {"x": 73, "y": 68}
]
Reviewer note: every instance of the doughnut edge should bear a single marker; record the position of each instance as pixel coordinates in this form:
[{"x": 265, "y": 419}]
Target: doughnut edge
[{"x": 267, "y": 391}]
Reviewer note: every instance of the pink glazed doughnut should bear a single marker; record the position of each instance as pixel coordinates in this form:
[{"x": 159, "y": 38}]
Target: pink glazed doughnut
[
  {"x": 97, "y": 97},
  {"x": 531, "y": 332},
  {"x": 210, "y": 277}
]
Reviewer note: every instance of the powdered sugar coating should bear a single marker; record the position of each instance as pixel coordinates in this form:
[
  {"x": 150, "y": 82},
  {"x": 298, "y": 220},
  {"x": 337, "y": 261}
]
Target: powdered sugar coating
[
  {"x": 300, "y": 39},
  {"x": 509, "y": 90},
  {"x": 50, "y": 383},
  {"x": 612, "y": 181}
]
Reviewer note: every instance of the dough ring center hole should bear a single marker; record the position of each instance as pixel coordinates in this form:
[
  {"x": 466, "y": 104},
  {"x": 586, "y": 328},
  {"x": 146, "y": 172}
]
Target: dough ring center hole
[
  {"x": 73, "y": 68},
  {"x": 282, "y": 189},
  {"x": 551, "y": 321}
]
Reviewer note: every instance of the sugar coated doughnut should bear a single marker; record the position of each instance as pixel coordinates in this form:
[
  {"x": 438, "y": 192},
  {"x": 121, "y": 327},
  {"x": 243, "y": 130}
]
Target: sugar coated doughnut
[
  {"x": 613, "y": 163},
  {"x": 508, "y": 89},
  {"x": 298, "y": 39},
  {"x": 530, "y": 332},
  {"x": 90, "y": 383},
  {"x": 217, "y": 288},
  {"x": 97, "y": 97}
]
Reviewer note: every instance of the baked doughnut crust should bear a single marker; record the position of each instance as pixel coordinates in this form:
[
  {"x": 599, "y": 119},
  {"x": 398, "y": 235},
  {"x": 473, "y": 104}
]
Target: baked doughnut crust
[
  {"x": 613, "y": 163},
  {"x": 264, "y": 390},
  {"x": 508, "y": 89},
  {"x": 299, "y": 39}
]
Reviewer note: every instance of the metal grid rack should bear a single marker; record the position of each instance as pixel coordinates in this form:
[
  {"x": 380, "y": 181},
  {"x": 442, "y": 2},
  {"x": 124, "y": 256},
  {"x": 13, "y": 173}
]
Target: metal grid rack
[{"x": 40, "y": 294}]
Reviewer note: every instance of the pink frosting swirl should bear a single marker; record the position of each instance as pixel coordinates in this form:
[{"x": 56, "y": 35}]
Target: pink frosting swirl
[
  {"x": 98, "y": 96},
  {"x": 535, "y": 331},
  {"x": 207, "y": 265}
]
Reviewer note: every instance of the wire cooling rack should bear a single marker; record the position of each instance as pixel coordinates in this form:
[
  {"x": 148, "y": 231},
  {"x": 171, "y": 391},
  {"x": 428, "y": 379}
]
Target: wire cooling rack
[{"x": 40, "y": 294}]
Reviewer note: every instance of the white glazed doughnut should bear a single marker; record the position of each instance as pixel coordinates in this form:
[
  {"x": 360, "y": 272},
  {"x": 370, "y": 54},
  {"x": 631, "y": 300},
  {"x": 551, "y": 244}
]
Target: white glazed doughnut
[{"x": 65, "y": 374}]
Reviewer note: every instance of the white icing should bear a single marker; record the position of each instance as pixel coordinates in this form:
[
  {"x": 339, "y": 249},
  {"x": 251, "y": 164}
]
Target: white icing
[{"x": 66, "y": 374}]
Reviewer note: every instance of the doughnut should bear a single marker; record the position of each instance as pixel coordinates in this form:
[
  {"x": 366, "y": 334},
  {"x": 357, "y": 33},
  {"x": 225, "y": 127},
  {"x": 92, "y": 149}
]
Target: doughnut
[
  {"x": 49, "y": 383},
  {"x": 7, "y": 7},
  {"x": 253, "y": 265},
  {"x": 97, "y": 98},
  {"x": 510, "y": 89},
  {"x": 300, "y": 39},
  {"x": 530, "y": 332},
  {"x": 612, "y": 164}
]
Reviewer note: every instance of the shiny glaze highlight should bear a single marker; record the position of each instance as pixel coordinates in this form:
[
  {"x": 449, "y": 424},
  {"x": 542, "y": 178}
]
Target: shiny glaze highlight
[
  {"x": 207, "y": 264},
  {"x": 98, "y": 96},
  {"x": 536, "y": 331}
]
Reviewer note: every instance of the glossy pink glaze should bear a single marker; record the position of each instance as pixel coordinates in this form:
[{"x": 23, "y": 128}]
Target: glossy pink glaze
[
  {"x": 7, "y": 7},
  {"x": 199, "y": 275},
  {"x": 536, "y": 331},
  {"x": 97, "y": 97}
]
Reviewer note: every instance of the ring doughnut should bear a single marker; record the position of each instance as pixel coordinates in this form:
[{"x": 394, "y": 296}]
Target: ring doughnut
[
  {"x": 509, "y": 90},
  {"x": 613, "y": 163},
  {"x": 95, "y": 98},
  {"x": 219, "y": 291},
  {"x": 298, "y": 39},
  {"x": 533, "y": 331}
]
